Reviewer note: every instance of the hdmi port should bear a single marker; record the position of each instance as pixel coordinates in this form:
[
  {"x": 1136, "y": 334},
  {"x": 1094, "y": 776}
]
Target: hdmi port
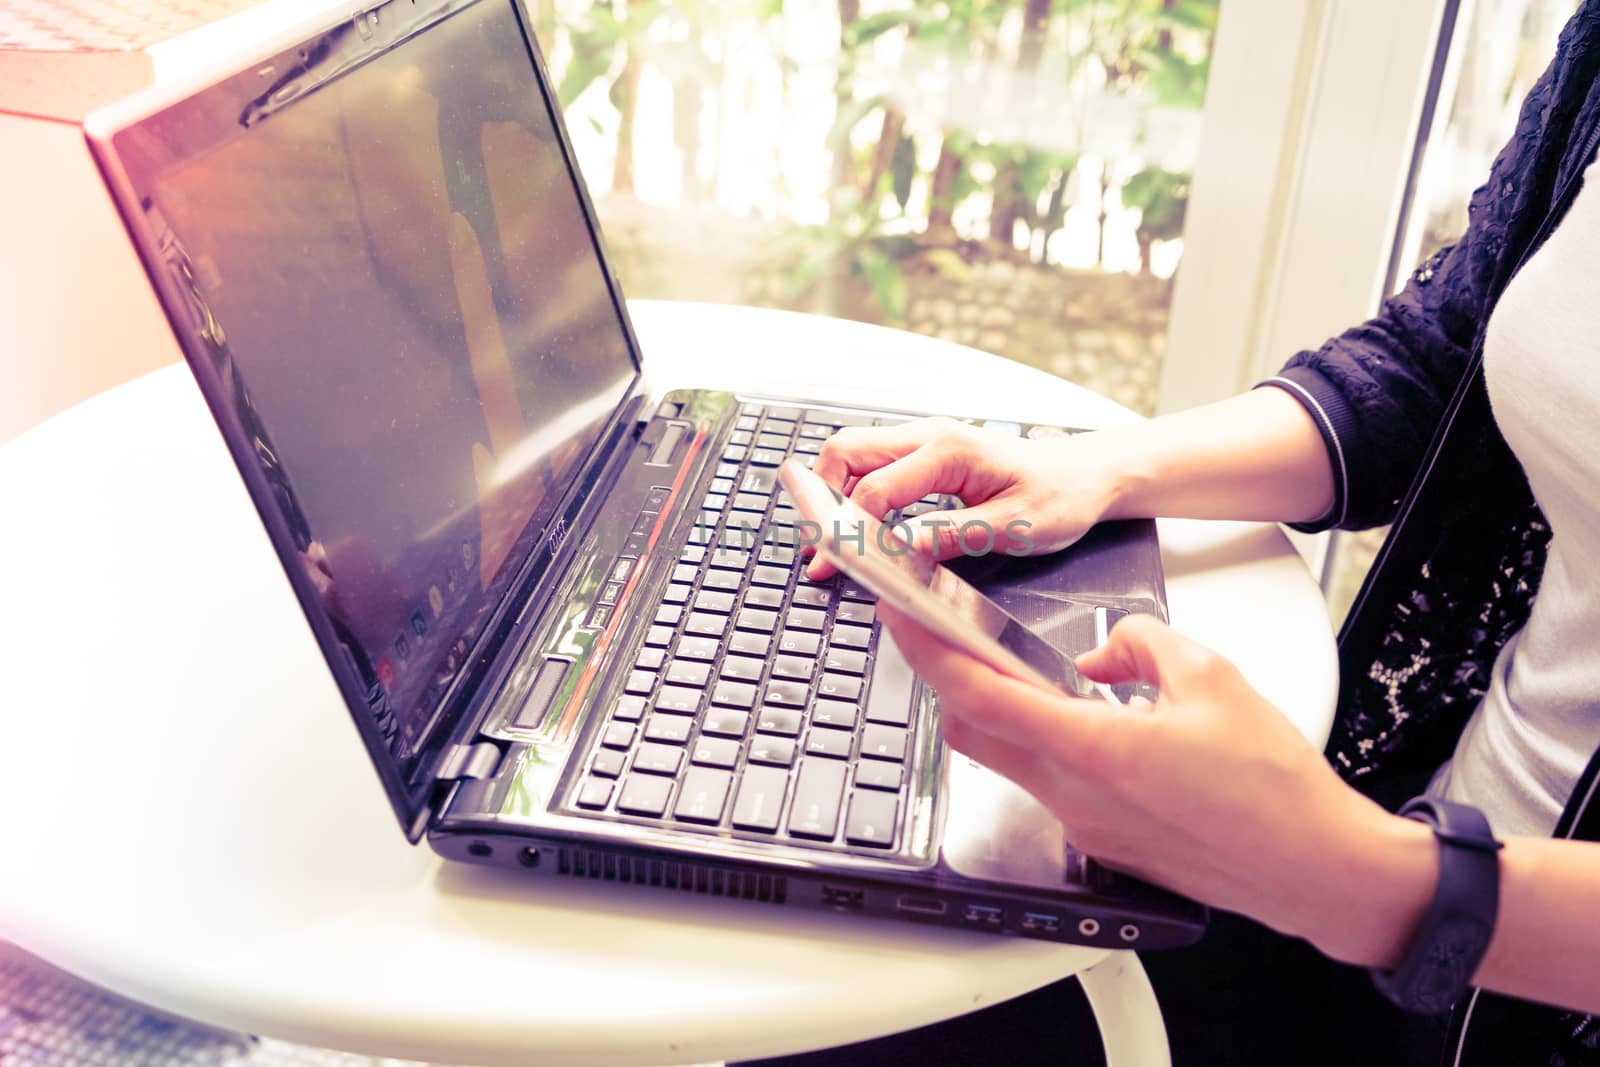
[{"x": 920, "y": 905}]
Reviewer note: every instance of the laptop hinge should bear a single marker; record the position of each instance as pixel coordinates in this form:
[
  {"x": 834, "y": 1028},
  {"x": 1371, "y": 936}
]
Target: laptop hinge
[{"x": 478, "y": 760}]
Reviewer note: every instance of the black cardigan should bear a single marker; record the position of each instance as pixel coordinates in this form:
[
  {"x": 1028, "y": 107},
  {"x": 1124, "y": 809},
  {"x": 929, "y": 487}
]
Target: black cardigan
[{"x": 1401, "y": 405}]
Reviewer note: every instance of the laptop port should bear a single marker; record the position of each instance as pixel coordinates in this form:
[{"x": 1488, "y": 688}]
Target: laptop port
[
  {"x": 528, "y": 857},
  {"x": 921, "y": 905},
  {"x": 1088, "y": 927},
  {"x": 844, "y": 899},
  {"x": 480, "y": 849},
  {"x": 983, "y": 914},
  {"x": 1035, "y": 922},
  {"x": 1128, "y": 932}
]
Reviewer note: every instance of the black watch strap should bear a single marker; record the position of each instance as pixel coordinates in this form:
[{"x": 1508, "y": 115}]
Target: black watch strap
[{"x": 1454, "y": 934}]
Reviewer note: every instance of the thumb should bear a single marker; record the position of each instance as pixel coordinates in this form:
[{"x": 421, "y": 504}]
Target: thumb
[{"x": 1144, "y": 649}]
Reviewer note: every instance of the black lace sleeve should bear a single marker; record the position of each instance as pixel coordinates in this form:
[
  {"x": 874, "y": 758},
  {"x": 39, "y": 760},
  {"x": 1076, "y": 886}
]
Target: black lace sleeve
[{"x": 1378, "y": 390}]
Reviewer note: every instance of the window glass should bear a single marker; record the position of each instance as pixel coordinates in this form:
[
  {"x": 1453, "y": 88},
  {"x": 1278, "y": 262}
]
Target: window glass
[{"x": 1009, "y": 174}]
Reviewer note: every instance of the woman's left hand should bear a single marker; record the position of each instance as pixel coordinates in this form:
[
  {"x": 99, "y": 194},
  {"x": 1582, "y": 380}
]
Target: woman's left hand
[{"x": 1210, "y": 791}]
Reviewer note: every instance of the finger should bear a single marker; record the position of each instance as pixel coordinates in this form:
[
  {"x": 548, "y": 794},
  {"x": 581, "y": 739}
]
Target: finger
[
  {"x": 858, "y": 450},
  {"x": 938, "y": 466},
  {"x": 1144, "y": 649},
  {"x": 1066, "y": 729},
  {"x": 983, "y": 530}
]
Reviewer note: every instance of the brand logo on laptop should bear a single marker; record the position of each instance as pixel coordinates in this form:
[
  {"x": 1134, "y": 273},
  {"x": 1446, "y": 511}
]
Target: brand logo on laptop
[{"x": 557, "y": 538}]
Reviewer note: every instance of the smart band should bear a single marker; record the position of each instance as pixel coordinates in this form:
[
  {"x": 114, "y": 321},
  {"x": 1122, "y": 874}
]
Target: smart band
[{"x": 1454, "y": 934}]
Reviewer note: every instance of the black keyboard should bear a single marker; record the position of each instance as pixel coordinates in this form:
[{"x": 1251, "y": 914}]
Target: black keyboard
[{"x": 749, "y": 708}]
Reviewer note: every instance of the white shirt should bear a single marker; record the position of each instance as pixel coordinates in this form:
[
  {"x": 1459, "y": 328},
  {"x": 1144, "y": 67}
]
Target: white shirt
[{"x": 1531, "y": 737}]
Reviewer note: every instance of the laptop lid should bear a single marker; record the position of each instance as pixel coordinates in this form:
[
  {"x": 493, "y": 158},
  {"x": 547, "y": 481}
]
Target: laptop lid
[{"x": 385, "y": 274}]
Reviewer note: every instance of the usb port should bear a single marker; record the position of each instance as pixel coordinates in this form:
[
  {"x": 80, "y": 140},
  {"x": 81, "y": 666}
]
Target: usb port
[
  {"x": 920, "y": 905},
  {"x": 983, "y": 914},
  {"x": 1034, "y": 922},
  {"x": 844, "y": 899}
]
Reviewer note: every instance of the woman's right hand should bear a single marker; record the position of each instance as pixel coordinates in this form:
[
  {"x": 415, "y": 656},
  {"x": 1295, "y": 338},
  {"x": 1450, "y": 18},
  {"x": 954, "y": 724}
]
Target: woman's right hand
[{"x": 1020, "y": 496}]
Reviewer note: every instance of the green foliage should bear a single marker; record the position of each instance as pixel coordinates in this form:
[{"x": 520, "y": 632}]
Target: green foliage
[
  {"x": 851, "y": 243},
  {"x": 1162, "y": 197}
]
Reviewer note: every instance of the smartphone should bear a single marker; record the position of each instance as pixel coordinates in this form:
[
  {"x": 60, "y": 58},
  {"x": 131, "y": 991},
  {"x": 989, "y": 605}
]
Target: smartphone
[{"x": 881, "y": 559}]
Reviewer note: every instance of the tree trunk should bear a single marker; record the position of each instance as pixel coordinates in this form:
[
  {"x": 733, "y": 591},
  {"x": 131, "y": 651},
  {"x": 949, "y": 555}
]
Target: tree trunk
[
  {"x": 941, "y": 198},
  {"x": 893, "y": 124},
  {"x": 622, "y": 168},
  {"x": 1009, "y": 201},
  {"x": 843, "y": 166}
]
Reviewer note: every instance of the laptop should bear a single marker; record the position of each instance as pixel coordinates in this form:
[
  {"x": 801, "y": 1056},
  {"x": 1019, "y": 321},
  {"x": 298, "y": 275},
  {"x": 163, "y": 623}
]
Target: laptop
[{"x": 570, "y": 623}]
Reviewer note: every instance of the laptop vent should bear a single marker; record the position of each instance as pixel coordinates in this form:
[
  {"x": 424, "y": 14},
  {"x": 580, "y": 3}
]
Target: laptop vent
[{"x": 664, "y": 874}]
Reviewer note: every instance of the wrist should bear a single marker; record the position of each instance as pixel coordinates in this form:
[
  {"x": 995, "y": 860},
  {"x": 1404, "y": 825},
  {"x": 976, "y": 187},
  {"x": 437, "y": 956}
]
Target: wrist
[
  {"x": 1127, "y": 473},
  {"x": 1387, "y": 871}
]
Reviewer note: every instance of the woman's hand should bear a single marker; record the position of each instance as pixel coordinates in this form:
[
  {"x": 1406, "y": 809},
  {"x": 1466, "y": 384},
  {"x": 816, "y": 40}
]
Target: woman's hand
[
  {"x": 1210, "y": 791},
  {"x": 1021, "y": 496}
]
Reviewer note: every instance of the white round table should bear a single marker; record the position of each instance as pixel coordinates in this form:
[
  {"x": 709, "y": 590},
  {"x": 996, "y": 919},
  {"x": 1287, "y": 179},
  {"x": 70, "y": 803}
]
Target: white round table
[{"x": 192, "y": 821}]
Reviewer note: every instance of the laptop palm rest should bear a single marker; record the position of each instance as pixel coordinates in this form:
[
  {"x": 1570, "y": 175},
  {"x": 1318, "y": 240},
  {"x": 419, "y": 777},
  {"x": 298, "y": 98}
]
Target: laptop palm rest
[{"x": 997, "y": 832}]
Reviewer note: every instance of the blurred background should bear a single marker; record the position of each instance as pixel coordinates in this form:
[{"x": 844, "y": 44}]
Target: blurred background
[{"x": 1159, "y": 199}]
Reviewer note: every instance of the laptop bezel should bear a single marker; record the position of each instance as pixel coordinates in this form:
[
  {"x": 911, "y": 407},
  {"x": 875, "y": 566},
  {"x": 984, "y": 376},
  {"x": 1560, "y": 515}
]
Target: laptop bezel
[{"x": 414, "y": 797}]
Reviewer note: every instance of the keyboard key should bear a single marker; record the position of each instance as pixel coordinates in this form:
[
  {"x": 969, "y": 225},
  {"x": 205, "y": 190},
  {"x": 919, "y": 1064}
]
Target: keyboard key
[
  {"x": 777, "y": 555},
  {"x": 851, "y": 636},
  {"x": 657, "y": 759},
  {"x": 668, "y": 729},
  {"x": 726, "y": 469},
  {"x": 787, "y": 694},
  {"x": 731, "y": 559},
  {"x": 645, "y": 794},
  {"x": 853, "y": 590},
  {"x": 834, "y": 743},
  {"x": 721, "y": 485},
  {"x": 761, "y": 596},
  {"x": 688, "y": 672},
  {"x": 735, "y": 453},
  {"x": 779, "y": 751},
  {"x": 692, "y": 554},
  {"x": 876, "y": 774},
  {"x": 883, "y": 742},
  {"x": 807, "y": 446},
  {"x": 723, "y": 581},
  {"x": 596, "y": 793},
  {"x": 714, "y": 752},
  {"x": 713, "y": 505},
  {"x": 701, "y": 648},
  {"x": 776, "y": 576},
  {"x": 856, "y": 611},
  {"x": 741, "y": 437},
  {"x": 845, "y": 661},
  {"x": 766, "y": 457},
  {"x": 640, "y": 683},
  {"x": 799, "y": 643},
  {"x": 714, "y": 601},
  {"x": 746, "y": 422},
  {"x": 678, "y": 699},
  {"x": 606, "y": 763},
  {"x": 760, "y": 799},
  {"x": 834, "y": 713},
  {"x": 759, "y": 620},
  {"x": 839, "y": 686},
  {"x": 622, "y": 568},
  {"x": 734, "y": 695},
  {"x": 779, "y": 721},
  {"x": 668, "y": 615},
  {"x": 677, "y": 593},
  {"x": 629, "y": 708},
  {"x": 871, "y": 819},
  {"x": 685, "y": 572},
  {"x": 618, "y": 735},
  {"x": 812, "y": 596},
  {"x": 755, "y": 503},
  {"x": 650, "y": 659},
  {"x": 703, "y": 796},
  {"x": 805, "y": 619},
  {"x": 779, "y": 441},
  {"x": 797, "y": 668},
  {"x": 743, "y": 668},
  {"x": 816, "y": 430},
  {"x": 818, "y": 788},
  {"x": 725, "y": 722},
  {"x": 787, "y": 414},
  {"x": 760, "y": 480},
  {"x": 706, "y": 624},
  {"x": 750, "y": 644}
]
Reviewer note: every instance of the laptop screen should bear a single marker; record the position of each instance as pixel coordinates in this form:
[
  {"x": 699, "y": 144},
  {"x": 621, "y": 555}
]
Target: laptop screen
[{"x": 418, "y": 330}]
